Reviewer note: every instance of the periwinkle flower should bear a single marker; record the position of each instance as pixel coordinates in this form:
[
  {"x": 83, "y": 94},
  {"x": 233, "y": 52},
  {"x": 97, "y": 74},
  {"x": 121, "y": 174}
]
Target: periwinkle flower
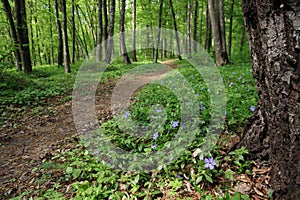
[
  {"x": 175, "y": 124},
  {"x": 126, "y": 114},
  {"x": 96, "y": 152},
  {"x": 155, "y": 136},
  {"x": 154, "y": 146},
  {"x": 252, "y": 108},
  {"x": 209, "y": 163},
  {"x": 159, "y": 109}
]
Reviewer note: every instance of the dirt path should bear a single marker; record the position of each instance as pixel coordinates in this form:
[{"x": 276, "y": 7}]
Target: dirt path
[{"x": 38, "y": 137}]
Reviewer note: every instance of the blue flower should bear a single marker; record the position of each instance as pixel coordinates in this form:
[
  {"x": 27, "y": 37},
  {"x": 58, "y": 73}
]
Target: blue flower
[
  {"x": 209, "y": 163},
  {"x": 175, "y": 124},
  {"x": 155, "y": 136},
  {"x": 201, "y": 107},
  {"x": 159, "y": 109},
  {"x": 126, "y": 114},
  {"x": 252, "y": 108},
  {"x": 179, "y": 176},
  {"x": 96, "y": 152}
]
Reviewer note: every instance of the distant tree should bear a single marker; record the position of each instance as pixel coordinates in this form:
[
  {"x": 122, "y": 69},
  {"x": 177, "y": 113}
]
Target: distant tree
[
  {"x": 216, "y": 13},
  {"x": 60, "y": 52},
  {"x": 134, "y": 59},
  {"x": 122, "y": 35},
  {"x": 22, "y": 32},
  {"x": 272, "y": 135},
  {"x": 10, "y": 19},
  {"x": 195, "y": 26},
  {"x": 208, "y": 37},
  {"x": 161, "y": 3},
  {"x": 189, "y": 28},
  {"x": 175, "y": 29},
  {"x": 230, "y": 29},
  {"x": 65, "y": 37},
  {"x": 73, "y": 32},
  {"x": 100, "y": 32}
]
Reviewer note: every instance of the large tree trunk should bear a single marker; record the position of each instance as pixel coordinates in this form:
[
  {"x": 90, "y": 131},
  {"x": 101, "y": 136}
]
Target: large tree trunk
[
  {"x": 22, "y": 32},
  {"x": 161, "y": 3},
  {"x": 122, "y": 35},
  {"x": 208, "y": 33},
  {"x": 60, "y": 53},
  {"x": 216, "y": 14},
  {"x": 273, "y": 133},
  {"x": 9, "y": 16},
  {"x": 65, "y": 37}
]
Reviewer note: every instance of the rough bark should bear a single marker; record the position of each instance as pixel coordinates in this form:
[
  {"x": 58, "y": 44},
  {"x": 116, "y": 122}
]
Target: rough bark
[
  {"x": 208, "y": 34},
  {"x": 216, "y": 14},
  {"x": 9, "y": 16},
  {"x": 100, "y": 33},
  {"x": 272, "y": 134},
  {"x": 73, "y": 32},
  {"x": 60, "y": 53},
  {"x": 126, "y": 58},
  {"x": 134, "y": 59},
  {"x": 22, "y": 32},
  {"x": 65, "y": 37},
  {"x": 105, "y": 30},
  {"x": 195, "y": 26},
  {"x": 176, "y": 31}
]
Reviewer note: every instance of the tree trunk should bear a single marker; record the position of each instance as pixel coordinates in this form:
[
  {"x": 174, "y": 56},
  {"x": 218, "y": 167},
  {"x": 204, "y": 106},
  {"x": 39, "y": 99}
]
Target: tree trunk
[
  {"x": 208, "y": 32},
  {"x": 134, "y": 59},
  {"x": 22, "y": 32},
  {"x": 195, "y": 26},
  {"x": 60, "y": 53},
  {"x": 65, "y": 37},
  {"x": 105, "y": 30},
  {"x": 273, "y": 133},
  {"x": 218, "y": 27},
  {"x": 73, "y": 32},
  {"x": 176, "y": 31},
  {"x": 100, "y": 33},
  {"x": 122, "y": 36},
  {"x": 9, "y": 16},
  {"x": 189, "y": 14},
  {"x": 230, "y": 29},
  {"x": 161, "y": 3},
  {"x": 242, "y": 42},
  {"x": 109, "y": 48}
]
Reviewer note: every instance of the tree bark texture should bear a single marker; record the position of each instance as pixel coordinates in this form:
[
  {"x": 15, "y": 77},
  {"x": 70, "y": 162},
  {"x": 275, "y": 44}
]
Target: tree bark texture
[
  {"x": 161, "y": 3},
  {"x": 273, "y": 133},
  {"x": 100, "y": 33},
  {"x": 22, "y": 32},
  {"x": 109, "y": 48},
  {"x": 176, "y": 30},
  {"x": 216, "y": 14},
  {"x": 134, "y": 59}
]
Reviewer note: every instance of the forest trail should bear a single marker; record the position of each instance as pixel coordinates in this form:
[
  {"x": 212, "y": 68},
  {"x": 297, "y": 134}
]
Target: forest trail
[{"x": 39, "y": 137}]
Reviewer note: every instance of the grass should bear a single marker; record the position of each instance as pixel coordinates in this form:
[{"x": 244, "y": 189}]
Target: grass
[{"x": 157, "y": 113}]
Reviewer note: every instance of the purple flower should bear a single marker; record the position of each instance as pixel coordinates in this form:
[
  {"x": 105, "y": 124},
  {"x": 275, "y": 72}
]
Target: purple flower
[
  {"x": 159, "y": 109},
  {"x": 175, "y": 124},
  {"x": 201, "y": 107},
  {"x": 154, "y": 146},
  {"x": 96, "y": 152},
  {"x": 155, "y": 136},
  {"x": 252, "y": 108},
  {"x": 179, "y": 176},
  {"x": 126, "y": 114},
  {"x": 209, "y": 163}
]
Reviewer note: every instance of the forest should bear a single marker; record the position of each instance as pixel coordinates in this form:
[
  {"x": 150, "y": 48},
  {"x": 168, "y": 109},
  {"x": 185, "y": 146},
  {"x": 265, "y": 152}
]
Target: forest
[{"x": 150, "y": 99}]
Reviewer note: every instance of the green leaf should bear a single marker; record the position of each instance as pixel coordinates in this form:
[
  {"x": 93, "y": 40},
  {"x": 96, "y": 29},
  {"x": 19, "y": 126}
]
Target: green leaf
[{"x": 208, "y": 178}]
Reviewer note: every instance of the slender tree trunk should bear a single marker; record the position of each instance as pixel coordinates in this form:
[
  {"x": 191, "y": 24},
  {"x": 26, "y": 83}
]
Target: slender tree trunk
[
  {"x": 60, "y": 53},
  {"x": 122, "y": 36},
  {"x": 176, "y": 31},
  {"x": 195, "y": 26},
  {"x": 134, "y": 59},
  {"x": 22, "y": 32},
  {"x": 216, "y": 18},
  {"x": 223, "y": 31},
  {"x": 208, "y": 33},
  {"x": 84, "y": 35},
  {"x": 110, "y": 44},
  {"x": 272, "y": 135},
  {"x": 230, "y": 29},
  {"x": 242, "y": 42},
  {"x": 73, "y": 32},
  {"x": 31, "y": 34},
  {"x": 161, "y": 3},
  {"x": 105, "y": 30},
  {"x": 51, "y": 33},
  {"x": 9, "y": 16},
  {"x": 100, "y": 33},
  {"x": 65, "y": 37},
  {"x": 189, "y": 29}
]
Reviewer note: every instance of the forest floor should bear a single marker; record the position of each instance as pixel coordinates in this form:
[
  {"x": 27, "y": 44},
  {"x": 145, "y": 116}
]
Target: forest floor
[{"x": 38, "y": 136}]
